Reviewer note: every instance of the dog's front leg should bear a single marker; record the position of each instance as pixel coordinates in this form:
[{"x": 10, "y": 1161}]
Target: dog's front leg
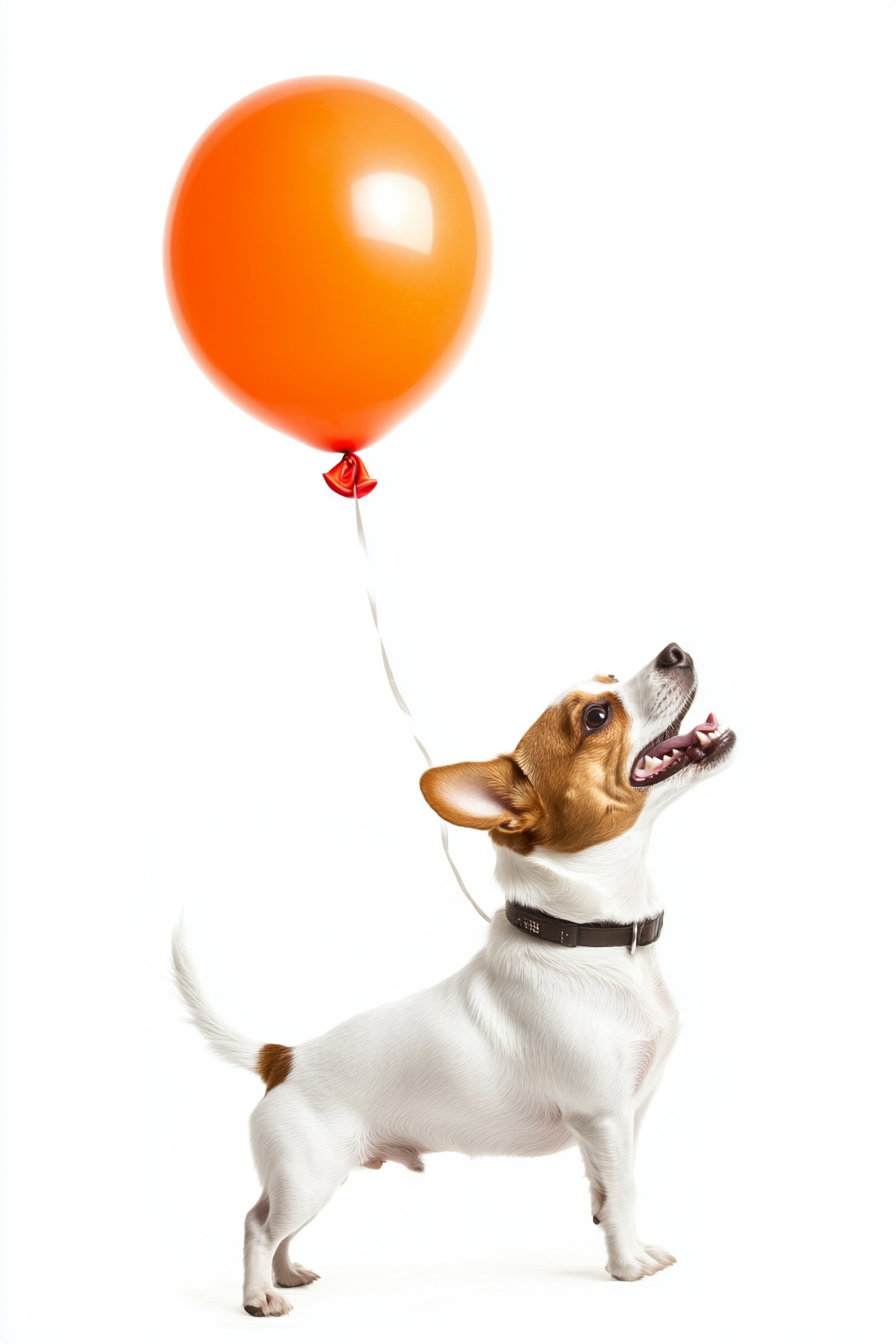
[{"x": 608, "y": 1147}]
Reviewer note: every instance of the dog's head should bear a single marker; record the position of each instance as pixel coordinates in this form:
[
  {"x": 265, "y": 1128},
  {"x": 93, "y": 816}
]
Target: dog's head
[{"x": 601, "y": 758}]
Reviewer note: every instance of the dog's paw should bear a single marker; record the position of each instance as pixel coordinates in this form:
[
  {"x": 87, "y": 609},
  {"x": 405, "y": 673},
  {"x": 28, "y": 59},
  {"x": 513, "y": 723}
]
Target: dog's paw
[
  {"x": 662, "y": 1257},
  {"x": 267, "y": 1304},
  {"x": 294, "y": 1276},
  {"x": 646, "y": 1260}
]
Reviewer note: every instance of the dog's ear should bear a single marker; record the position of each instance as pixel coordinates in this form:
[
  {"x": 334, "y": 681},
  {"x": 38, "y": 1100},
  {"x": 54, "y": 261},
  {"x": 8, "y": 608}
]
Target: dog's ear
[{"x": 487, "y": 795}]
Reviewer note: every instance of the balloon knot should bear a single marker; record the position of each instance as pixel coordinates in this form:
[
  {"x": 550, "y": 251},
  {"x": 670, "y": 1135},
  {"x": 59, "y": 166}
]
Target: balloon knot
[{"x": 350, "y": 476}]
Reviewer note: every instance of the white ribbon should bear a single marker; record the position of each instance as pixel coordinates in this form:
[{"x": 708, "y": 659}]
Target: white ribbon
[{"x": 400, "y": 701}]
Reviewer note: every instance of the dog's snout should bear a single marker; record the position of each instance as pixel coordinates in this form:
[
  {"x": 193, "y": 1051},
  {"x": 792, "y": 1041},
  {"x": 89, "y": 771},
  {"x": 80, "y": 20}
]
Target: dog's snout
[{"x": 673, "y": 656}]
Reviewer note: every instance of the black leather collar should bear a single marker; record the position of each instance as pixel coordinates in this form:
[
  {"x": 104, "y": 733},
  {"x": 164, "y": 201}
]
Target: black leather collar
[{"x": 567, "y": 934}]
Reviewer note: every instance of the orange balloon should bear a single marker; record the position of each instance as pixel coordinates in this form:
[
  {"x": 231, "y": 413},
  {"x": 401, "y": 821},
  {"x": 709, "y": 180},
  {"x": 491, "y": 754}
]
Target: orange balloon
[{"x": 327, "y": 254}]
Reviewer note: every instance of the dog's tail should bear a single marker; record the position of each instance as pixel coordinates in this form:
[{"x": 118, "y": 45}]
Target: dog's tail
[{"x": 271, "y": 1062}]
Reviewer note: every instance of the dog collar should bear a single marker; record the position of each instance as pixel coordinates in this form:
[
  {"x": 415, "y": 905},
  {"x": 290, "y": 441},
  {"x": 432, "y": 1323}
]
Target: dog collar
[{"x": 568, "y": 934}]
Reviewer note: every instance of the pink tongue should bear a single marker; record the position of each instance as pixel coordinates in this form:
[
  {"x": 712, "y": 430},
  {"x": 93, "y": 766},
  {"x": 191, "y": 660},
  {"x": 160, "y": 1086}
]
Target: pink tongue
[{"x": 686, "y": 739}]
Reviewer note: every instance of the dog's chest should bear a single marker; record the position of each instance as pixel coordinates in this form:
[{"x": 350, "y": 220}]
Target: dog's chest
[{"x": 581, "y": 1034}]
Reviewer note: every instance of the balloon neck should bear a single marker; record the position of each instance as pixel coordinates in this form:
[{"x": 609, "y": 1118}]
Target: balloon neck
[{"x": 350, "y": 478}]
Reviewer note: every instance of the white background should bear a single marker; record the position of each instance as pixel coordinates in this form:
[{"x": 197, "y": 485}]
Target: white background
[{"x": 676, "y": 422}]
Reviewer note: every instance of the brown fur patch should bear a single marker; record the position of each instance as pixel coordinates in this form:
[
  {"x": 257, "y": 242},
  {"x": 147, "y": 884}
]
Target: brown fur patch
[
  {"x": 581, "y": 778},
  {"x": 274, "y": 1064},
  {"x": 606, "y": 681},
  {"x": 563, "y": 787}
]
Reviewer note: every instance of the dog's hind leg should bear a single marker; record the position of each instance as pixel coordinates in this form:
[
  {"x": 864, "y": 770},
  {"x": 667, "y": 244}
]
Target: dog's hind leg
[
  {"x": 286, "y": 1273},
  {"x": 302, "y": 1159},
  {"x": 288, "y": 1203},
  {"x": 259, "y": 1298}
]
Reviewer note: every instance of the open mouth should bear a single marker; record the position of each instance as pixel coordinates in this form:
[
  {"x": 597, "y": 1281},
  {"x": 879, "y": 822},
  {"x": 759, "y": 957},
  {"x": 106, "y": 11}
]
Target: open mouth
[{"x": 666, "y": 756}]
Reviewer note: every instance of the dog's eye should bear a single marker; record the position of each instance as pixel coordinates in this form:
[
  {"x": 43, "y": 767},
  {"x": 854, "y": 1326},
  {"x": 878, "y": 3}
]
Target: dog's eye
[{"x": 596, "y": 716}]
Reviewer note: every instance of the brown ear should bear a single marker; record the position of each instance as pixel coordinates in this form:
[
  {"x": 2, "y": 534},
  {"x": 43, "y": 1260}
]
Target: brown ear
[{"x": 486, "y": 795}]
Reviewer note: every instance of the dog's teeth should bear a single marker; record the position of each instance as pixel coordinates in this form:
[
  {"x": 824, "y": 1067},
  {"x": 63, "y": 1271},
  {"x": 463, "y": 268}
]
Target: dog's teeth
[
  {"x": 652, "y": 762},
  {"x": 703, "y": 739},
  {"x": 676, "y": 752}
]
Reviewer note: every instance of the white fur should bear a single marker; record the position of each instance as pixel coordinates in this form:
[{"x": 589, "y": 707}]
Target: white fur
[
  {"x": 229, "y": 1044},
  {"x": 528, "y": 1049}
]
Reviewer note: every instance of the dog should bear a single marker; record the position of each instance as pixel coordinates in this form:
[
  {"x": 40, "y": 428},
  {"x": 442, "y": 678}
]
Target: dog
[{"x": 556, "y": 1033}]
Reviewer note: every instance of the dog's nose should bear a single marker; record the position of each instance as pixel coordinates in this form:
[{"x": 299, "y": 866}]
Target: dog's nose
[{"x": 673, "y": 656}]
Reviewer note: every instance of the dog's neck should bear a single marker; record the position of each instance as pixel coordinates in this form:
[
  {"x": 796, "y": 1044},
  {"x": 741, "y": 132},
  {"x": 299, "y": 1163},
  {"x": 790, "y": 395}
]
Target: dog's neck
[{"x": 604, "y": 882}]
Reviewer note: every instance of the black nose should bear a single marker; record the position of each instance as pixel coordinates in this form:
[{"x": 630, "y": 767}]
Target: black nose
[{"x": 673, "y": 656}]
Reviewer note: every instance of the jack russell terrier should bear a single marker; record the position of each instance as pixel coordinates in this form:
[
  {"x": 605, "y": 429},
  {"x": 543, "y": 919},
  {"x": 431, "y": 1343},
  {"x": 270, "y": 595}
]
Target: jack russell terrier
[{"x": 556, "y": 1033}]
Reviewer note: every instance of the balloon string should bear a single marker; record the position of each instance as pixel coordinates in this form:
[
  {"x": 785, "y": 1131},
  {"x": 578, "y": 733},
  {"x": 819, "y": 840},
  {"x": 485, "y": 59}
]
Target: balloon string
[{"x": 400, "y": 701}]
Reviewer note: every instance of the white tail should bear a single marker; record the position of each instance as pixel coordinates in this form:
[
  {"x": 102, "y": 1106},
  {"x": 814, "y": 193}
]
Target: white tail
[{"x": 230, "y": 1045}]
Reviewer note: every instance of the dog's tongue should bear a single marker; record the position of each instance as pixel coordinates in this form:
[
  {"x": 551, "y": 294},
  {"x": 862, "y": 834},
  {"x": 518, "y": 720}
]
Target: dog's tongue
[{"x": 685, "y": 739}]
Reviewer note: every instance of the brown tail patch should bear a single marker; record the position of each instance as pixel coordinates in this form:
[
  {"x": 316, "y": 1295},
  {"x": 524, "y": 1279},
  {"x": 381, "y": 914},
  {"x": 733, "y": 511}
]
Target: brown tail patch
[{"x": 274, "y": 1064}]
